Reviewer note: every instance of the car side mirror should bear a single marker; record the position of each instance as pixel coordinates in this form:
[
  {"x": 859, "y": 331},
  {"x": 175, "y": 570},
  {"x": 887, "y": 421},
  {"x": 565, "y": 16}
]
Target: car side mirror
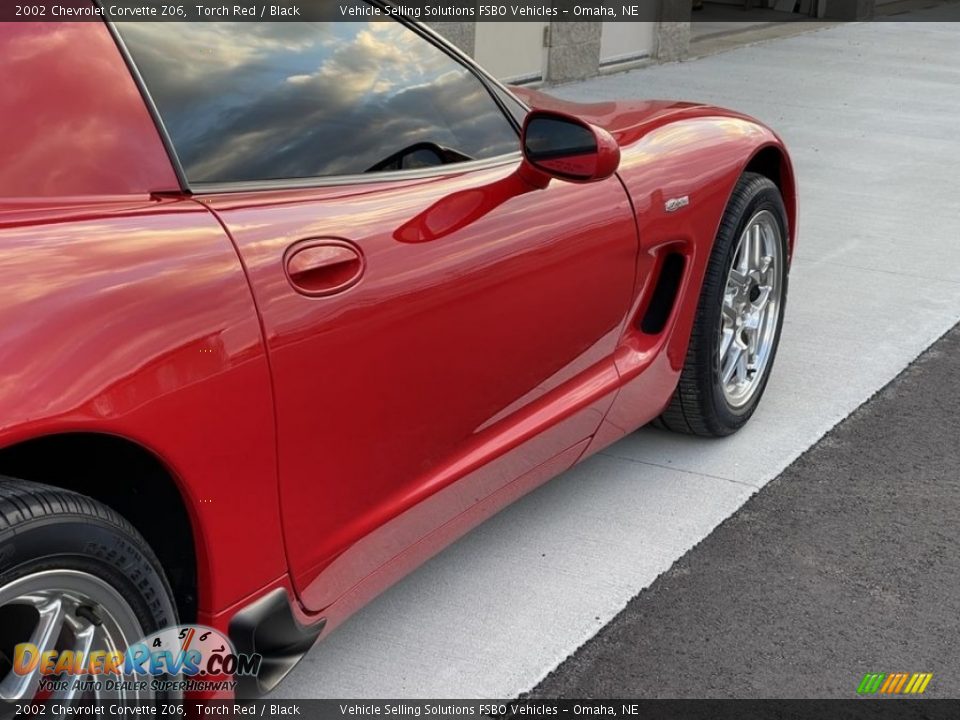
[{"x": 567, "y": 148}]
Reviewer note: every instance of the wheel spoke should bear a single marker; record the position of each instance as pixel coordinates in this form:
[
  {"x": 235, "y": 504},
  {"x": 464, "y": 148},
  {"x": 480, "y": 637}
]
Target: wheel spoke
[
  {"x": 752, "y": 336},
  {"x": 741, "y": 368},
  {"x": 742, "y": 260},
  {"x": 731, "y": 360},
  {"x": 729, "y": 312},
  {"x": 737, "y": 279},
  {"x": 102, "y": 639},
  {"x": 84, "y": 634},
  {"x": 50, "y": 622},
  {"x": 756, "y": 245},
  {"x": 726, "y": 339}
]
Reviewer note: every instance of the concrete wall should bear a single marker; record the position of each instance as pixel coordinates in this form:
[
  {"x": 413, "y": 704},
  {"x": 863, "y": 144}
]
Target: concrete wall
[
  {"x": 573, "y": 48},
  {"x": 573, "y": 51}
]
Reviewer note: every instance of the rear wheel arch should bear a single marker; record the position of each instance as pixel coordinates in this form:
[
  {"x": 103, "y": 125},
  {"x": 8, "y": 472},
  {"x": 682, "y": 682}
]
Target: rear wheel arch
[{"x": 131, "y": 480}]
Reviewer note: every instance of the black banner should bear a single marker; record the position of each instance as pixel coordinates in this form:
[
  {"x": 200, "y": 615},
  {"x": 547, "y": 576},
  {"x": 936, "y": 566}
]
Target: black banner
[
  {"x": 930, "y": 709},
  {"x": 362, "y": 11}
]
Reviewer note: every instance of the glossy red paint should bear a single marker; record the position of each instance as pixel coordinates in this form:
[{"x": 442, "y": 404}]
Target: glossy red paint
[
  {"x": 72, "y": 116},
  {"x": 132, "y": 317},
  {"x": 380, "y": 365},
  {"x": 670, "y": 149},
  {"x": 340, "y": 379}
]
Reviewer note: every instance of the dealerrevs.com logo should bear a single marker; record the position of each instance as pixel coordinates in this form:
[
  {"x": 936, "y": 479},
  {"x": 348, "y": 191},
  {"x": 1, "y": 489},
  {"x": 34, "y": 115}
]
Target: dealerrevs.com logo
[{"x": 187, "y": 658}]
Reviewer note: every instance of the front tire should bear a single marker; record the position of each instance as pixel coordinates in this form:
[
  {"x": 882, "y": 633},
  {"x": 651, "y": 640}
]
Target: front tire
[
  {"x": 739, "y": 316},
  {"x": 74, "y": 575}
]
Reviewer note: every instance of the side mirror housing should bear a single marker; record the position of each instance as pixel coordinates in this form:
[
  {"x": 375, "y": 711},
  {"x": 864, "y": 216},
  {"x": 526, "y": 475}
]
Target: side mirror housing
[{"x": 568, "y": 148}]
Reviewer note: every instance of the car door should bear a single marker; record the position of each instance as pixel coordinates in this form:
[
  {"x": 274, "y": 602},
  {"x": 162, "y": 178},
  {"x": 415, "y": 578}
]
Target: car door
[{"x": 436, "y": 326}]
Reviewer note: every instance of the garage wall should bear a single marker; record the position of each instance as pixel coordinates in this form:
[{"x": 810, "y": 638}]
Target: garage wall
[{"x": 625, "y": 41}]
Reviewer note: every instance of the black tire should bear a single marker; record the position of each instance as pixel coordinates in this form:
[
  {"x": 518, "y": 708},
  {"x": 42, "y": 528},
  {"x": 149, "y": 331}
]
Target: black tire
[
  {"x": 698, "y": 405},
  {"x": 46, "y": 528}
]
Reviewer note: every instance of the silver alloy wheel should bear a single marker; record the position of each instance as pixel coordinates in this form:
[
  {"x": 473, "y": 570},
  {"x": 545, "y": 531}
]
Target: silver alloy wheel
[
  {"x": 751, "y": 309},
  {"x": 70, "y": 610}
]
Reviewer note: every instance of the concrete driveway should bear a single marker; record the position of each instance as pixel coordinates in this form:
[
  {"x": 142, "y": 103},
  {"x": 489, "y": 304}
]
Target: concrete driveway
[{"x": 870, "y": 113}]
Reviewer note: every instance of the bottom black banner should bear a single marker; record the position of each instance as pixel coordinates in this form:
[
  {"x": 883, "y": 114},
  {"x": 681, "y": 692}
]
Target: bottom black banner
[{"x": 498, "y": 709}]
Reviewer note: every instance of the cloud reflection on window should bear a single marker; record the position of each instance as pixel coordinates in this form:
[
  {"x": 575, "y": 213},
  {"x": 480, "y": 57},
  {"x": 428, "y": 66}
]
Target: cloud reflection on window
[{"x": 259, "y": 101}]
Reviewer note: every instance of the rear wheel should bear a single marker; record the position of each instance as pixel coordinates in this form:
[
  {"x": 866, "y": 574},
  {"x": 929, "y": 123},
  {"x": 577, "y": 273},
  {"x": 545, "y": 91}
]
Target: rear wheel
[
  {"x": 740, "y": 313},
  {"x": 74, "y": 576}
]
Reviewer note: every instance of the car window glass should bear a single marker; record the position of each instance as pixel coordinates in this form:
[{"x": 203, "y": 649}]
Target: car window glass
[{"x": 263, "y": 101}]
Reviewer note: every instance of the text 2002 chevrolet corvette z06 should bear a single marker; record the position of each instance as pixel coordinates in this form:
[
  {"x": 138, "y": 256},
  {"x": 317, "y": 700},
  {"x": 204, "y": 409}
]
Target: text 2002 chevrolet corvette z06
[{"x": 289, "y": 307}]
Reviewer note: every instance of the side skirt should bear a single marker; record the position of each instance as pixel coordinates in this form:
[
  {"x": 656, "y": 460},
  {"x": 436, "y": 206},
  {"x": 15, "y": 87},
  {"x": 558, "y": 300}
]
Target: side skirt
[{"x": 268, "y": 627}]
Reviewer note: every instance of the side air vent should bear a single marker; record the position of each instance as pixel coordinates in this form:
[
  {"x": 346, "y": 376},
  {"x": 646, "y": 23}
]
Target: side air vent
[{"x": 664, "y": 294}]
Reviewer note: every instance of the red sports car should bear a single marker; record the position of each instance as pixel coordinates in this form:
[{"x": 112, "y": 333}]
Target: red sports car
[{"x": 288, "y": 307}]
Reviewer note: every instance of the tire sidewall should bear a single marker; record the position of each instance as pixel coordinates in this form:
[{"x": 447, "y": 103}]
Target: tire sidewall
[{"x": 96, "y": 547}]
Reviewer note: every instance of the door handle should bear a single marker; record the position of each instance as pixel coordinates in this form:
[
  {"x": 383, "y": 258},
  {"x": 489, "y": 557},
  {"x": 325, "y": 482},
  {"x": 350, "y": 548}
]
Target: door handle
[{"x": 325, "y": 266}]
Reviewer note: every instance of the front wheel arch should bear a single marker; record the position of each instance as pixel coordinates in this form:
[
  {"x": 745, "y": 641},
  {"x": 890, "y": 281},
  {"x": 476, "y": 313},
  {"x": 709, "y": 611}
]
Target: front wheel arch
[{"x": 774, "y": 163}]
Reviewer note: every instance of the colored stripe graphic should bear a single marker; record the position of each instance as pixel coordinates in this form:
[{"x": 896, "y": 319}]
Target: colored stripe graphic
[
  {"x": 903, "y": 679},
  {"x": 870, "y": 683},
  {"x": 894, "y": 683},
  {"x": 865, "y": 683},
  {"x": 890, "y": 682}
]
